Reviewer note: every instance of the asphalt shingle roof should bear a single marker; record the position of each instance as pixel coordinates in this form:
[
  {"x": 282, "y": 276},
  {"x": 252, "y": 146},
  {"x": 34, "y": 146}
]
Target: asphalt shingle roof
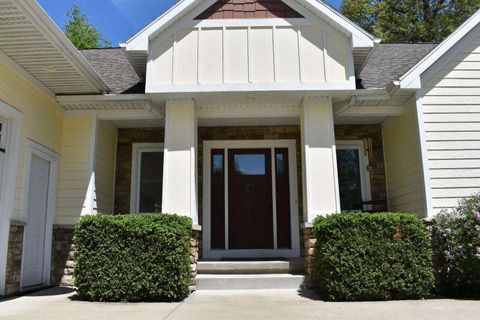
[
  {"x": 113, "y": 66},
  {"x": 390, "y": 61}
]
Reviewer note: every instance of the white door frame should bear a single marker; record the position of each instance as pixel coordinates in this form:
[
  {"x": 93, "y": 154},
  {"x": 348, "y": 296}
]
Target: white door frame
[
  {"x": 14, "y": 119},
  {"x": 137, "y": 150},
  {"x": 34, "y": 149},
  {"x": 208, "y": 253},
  {"x": 363, "y": 163}
]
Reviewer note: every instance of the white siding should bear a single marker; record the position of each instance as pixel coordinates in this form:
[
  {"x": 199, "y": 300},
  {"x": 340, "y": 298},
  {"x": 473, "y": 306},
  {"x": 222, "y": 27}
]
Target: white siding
[
  {"x": 242, "y": 55},
  {"x": 451, "y": 106},
  {"x": 403, "y": 163},
  {"x": 74, "y": 170},
  {"x": 42, "y": 123},
  {"x": 105, "y": 156}
]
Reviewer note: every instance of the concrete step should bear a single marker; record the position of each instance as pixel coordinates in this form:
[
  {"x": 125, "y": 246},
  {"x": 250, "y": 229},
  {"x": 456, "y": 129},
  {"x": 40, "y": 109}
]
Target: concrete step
[
  {"x": 248, "y": 281},
  {"x": 249, "y": 267}
]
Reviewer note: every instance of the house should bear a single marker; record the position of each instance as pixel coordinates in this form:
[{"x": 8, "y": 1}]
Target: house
[{"x": 251, "y": 117}]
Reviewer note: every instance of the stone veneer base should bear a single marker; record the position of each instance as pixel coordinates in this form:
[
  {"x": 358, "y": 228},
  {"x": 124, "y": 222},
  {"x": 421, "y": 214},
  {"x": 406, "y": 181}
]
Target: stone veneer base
[
  {"x": 63, "y": 256},
  {"x": 14, "y": 258}
]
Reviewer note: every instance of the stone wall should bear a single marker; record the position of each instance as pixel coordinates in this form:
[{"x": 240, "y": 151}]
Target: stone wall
[
  {"x": 195, "y": 245},
  {"x": 123, "y": 175},
  {"x": 14, "y": 258},
  {"x": 308, "y": 252},
  {"x": 63, "y": 259},
  {"x": 376, "y": 167}
]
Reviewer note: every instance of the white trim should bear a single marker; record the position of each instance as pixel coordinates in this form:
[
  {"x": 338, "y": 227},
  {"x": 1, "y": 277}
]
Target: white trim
[
  {"x": 152, "y": 88},
  {"x": 137, "y": 150},
  {"x": 7, "y": 192},
  {"x": 411, "y": 79},
  {"x": 363, "y": 163},
  {"x": 249, "y": 144},
  {"x": 425, "y": 171},
  {"x": 90, "y": 206},
  {"x": 114, "y": 115},
  {"x": 21, "y": 72},
  {"x": 139, "y": 42},
  {"x": 35, "y": 149}
]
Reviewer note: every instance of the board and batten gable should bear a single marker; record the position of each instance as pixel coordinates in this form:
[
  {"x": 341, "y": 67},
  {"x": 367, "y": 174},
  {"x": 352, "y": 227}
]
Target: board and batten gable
[
  {"x": 213, "y": 55},
  {"x": 403, "y": 162},
  {"x": 451, "y": 112}
]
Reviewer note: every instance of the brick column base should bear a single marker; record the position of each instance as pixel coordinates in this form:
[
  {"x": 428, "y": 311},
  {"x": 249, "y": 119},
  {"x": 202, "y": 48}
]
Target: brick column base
[
  {"x": 63, "y": 259},
  {"x": 14, "y": 258},
  {"x": 309, "y": 248},
  {"x": 195, "y": 244}
]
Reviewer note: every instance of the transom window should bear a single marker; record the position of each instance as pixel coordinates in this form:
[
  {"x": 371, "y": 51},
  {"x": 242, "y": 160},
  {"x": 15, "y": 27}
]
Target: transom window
[
  {"x": 147, "y": 178},
  {"x": 353, "y": 176}
]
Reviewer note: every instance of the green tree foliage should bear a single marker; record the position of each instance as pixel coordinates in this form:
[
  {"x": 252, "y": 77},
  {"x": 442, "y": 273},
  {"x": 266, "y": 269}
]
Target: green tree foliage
[
  {"x": 410, "y": 20},
  {"x": 82, "y": 34}
]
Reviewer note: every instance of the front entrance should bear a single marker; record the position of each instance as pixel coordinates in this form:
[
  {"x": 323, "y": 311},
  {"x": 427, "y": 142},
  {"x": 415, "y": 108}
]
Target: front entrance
[{"x": 250, "y": 199}]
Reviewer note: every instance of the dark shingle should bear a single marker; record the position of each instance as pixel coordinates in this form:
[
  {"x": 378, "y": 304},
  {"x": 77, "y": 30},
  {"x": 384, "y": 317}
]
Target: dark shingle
[
  {"x": 113, "y": 66},
  {"x": 390, "y": 61}
]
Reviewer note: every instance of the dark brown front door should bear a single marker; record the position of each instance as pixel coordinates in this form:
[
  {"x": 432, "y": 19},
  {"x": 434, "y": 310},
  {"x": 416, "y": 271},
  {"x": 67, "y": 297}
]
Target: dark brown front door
[{"x": 250, "y": 209}]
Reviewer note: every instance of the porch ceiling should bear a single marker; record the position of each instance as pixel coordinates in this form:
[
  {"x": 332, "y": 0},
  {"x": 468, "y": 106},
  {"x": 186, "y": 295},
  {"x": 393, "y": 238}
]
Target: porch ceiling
[{"x": 32, "y": 40}]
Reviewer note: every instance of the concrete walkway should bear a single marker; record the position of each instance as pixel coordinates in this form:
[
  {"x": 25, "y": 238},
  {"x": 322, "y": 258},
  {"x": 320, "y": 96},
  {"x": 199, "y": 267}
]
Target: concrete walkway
[{"x": 261, "y": 304}]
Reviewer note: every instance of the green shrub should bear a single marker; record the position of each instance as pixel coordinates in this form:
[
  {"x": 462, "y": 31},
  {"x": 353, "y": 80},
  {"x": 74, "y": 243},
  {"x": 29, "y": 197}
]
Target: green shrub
[
  {"x": 384, "y": 256},
  {"x": 456, "y": 245},
  {"x": 132, "y": 258}
]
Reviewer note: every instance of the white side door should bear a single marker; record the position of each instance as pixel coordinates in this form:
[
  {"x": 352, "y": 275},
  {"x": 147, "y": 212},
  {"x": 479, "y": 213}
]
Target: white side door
[{"x": 36, "y": 218}]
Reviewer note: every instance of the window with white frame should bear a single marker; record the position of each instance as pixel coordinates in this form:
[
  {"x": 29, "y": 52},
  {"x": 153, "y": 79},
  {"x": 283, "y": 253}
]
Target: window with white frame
[
  {"x": 353, "y": 176},
  {"x": 147, "y": 178}
]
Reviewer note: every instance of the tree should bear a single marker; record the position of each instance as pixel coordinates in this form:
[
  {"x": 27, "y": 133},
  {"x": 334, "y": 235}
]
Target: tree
[
  {"x": 410, "y": 20},
  {"x": 80, "y": 32}
]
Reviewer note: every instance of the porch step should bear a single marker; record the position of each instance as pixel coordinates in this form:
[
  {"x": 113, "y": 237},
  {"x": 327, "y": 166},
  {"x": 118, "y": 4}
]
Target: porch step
[
  {"x": 248, "y": 281},
  {"x": 250, "y": 267}
]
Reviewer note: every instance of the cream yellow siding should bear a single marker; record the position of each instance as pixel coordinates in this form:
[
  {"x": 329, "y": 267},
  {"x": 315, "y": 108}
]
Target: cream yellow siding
[
  {"x": 74, "y": 176},
  {"x": 105, "y": 166},
  {"x": 451, "y": 107},
  {"x": 241, "y": 55},
  {"x": 403, "y": 164},
  {"x": 42, "y": 123}
]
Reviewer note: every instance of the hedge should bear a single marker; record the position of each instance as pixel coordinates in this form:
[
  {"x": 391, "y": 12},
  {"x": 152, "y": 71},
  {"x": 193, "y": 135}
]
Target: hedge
[
  {"x": 456, "y": 244},
  {"x": 365, "y": 257},
  {"x": 132, "y": 258}
]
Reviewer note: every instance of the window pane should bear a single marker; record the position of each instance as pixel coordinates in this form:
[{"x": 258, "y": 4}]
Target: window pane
[
  {"x": 250, "y": 164},
  {"x": 151, "y": 179},
  {"x": 349, "y": 179}
]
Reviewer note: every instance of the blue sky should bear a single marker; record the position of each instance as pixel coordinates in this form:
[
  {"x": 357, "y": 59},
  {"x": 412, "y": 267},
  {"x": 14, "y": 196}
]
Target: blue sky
[{"x": 117, "y": 20}]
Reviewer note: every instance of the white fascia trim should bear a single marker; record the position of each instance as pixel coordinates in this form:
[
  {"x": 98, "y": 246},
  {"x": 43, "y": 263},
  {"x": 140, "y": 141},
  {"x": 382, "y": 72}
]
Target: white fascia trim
[
  {"x": 51, "y": 31},
  {"x": 101, "y": 98},
  {"x": 10, "y": 63},
  {"x": 139, "y": 42},
  {"x": 360, "y": 37},
  {"x": 249, "y": 87},
  {"x": 411, "y": 79}
]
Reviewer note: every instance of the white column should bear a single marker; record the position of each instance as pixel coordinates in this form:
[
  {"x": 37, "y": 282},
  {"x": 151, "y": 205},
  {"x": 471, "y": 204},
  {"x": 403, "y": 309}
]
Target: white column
[
  {"x": 320, "y": 179},
  {"x": 179, "y": 170}
]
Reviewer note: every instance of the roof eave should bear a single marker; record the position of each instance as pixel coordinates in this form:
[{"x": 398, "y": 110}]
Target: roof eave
[
  {"x": 51, "y": 31},
  {"x": 412, "y": 78}
]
